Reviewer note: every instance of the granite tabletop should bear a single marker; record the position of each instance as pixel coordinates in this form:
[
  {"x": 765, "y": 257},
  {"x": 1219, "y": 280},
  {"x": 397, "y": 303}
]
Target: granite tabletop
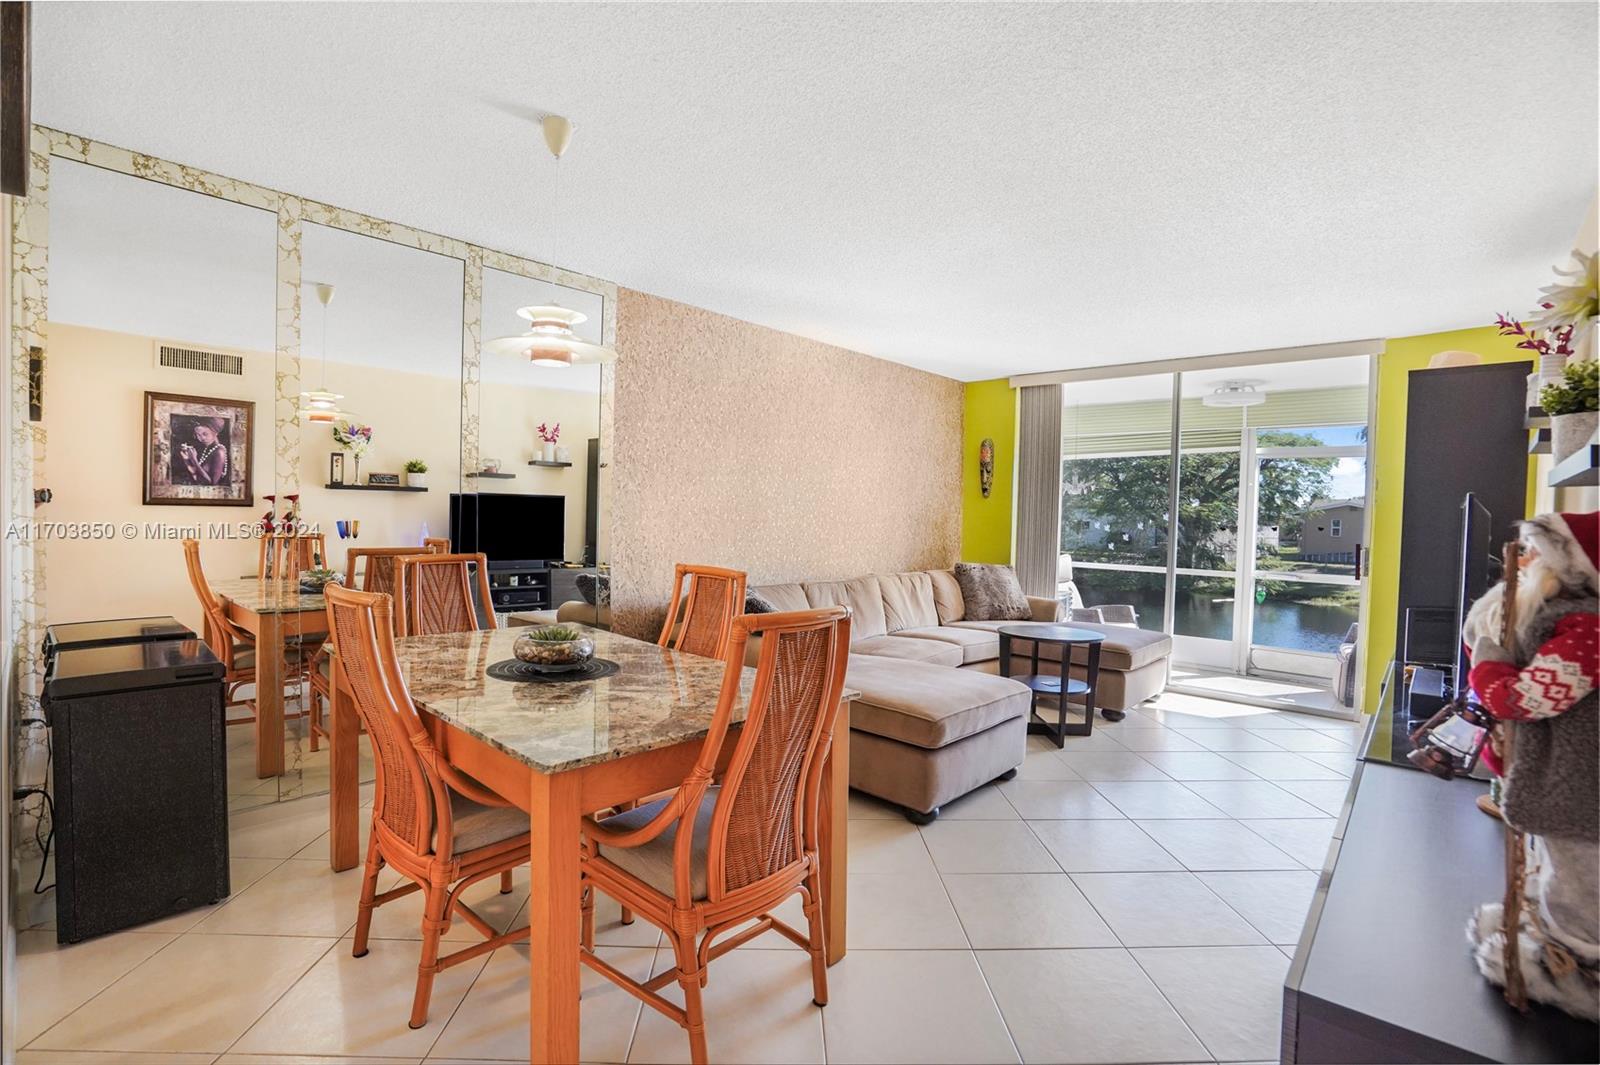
[
  {"x": 268, "y": 596},
  {"x": 658, "y": 698}
]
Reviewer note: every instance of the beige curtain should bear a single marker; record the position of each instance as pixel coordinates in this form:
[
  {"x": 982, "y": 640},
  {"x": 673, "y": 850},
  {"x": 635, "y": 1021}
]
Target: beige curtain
[{"x": 1039, "y": 489}]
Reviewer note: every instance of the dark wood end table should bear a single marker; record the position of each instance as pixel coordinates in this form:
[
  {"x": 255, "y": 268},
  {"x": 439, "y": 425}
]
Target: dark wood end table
[{"x": 1059, "y": 686}]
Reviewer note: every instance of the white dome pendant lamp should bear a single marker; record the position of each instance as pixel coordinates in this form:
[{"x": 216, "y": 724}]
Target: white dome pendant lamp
[
  {"x": 318, "y": 405},
  {"x": 550, "y": 340}
]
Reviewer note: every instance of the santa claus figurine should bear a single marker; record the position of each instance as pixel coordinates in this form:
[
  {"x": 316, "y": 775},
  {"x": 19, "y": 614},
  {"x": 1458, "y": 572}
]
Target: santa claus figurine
[{"x": 1541, "y": 679}]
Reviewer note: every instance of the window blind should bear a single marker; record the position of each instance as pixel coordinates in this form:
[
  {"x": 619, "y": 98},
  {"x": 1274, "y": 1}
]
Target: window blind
[{"x": 1145, "y": 427}]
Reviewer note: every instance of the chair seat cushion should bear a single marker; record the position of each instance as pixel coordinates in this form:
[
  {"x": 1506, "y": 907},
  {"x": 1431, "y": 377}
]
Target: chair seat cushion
[
  {"x": 908, "y": 648},
  {"x": 977, "y": 645},
  {"x": 295, "y": 652},
  {"x": 477, "y": 825},
  {"x": 652, "y": 862},
  {"x": 929, "y": 706}
]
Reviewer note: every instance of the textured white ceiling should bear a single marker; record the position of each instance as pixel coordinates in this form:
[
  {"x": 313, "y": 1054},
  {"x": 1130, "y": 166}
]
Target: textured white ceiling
[{"x": 975, "y": 189}]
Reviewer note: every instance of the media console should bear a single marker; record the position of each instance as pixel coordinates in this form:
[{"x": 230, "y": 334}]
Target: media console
[{"x": 519, "y": 587}]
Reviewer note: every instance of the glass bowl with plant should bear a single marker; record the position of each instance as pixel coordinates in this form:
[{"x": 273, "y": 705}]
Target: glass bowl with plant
[
  {"x": 314, "y": 580},
  {"x": 554, "y": 648}
]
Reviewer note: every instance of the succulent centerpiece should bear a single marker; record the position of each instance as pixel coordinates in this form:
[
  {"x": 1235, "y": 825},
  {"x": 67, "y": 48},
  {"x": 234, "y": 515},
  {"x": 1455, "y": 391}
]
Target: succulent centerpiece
[{"x": 554, "y": 647}]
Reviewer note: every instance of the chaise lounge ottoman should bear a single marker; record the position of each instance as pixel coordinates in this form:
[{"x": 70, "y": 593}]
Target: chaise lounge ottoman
[{"x": 922, "y": 734}]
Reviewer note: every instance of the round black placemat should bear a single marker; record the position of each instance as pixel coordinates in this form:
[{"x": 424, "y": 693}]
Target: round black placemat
[{"x": 514, "y": 669}]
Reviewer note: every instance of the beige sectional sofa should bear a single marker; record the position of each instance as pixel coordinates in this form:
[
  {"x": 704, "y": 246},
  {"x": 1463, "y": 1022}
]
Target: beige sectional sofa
[{"x": 934, "y": 720}]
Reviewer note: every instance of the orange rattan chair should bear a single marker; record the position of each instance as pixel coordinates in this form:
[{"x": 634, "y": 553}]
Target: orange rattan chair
[
  {"x": 234, "y": 647},
  {"x": 436, "y": 594},
  {"x": 438, "y": 545},
  {"x": 286, "y": 556},
  {"x": 442, "y": 831},
  {"x": 711, "y": 858},
  {"x": 700, "y": 619},
  {"x": 376, "y": 576}
]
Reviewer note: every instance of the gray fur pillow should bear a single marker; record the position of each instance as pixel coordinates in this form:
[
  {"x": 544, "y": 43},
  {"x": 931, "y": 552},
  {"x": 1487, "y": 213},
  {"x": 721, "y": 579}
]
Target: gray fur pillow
[
  {"x": 992, "y": 593},
  {"x": 756, "y": 603}
]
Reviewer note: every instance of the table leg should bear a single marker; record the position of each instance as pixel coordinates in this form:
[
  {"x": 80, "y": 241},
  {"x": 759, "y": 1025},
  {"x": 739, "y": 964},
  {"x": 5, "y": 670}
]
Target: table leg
[
  {"x": 553, "y": 917},
  {"x": 835, "y": 842},
  {"x": 344, "y": 787},
  {"x": 1093, "y": 679},
  {"x": 269, "y": 696}
]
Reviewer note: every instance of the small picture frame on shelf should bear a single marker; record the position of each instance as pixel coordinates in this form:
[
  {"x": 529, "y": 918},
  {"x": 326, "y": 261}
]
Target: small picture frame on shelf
[
  {"x": 336, "y": 467},
  {"x": 383, "y": 478}
]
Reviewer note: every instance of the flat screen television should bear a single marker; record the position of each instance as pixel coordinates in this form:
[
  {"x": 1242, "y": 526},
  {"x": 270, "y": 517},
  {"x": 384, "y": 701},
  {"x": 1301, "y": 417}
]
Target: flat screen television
[
  {"x": 1479, "y": 570},
  {"x": 509, "y": 528}
]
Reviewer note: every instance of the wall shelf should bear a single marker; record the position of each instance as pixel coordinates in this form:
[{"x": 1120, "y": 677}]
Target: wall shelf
[
  {"x": 486, "y": 473},
  {"x": 553, "y": 465},
  {"x": 1577, "y": 470},
  {"x": 373, "y": 488},
  {"x": 1539, "y": 441}
]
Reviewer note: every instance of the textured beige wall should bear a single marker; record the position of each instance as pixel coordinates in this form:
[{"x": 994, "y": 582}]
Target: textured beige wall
[{"x": 738, "y": 445}]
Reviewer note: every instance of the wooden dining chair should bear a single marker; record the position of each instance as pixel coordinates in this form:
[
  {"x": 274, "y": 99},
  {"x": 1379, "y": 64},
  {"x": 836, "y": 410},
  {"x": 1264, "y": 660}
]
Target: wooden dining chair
[
  {"x": 377, "y": 575},
  {"x": 705, "y": 600},
  {"x": 439, "y": 829},
  {"x": 438, "y": 545},
  {"x": 441, "y": 593},
  {"x": 234, "y": 646},
  {"x": 287, "y": 555},
  {"x": 712, "y": 857}
]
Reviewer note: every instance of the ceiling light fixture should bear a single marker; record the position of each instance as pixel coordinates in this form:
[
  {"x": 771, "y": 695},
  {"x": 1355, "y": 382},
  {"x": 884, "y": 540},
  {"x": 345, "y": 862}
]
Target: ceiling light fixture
[
  {"x": 319, "y": 405},
  {"x": 1236, "y": 394},
  {"x": 550, "y": 340}
]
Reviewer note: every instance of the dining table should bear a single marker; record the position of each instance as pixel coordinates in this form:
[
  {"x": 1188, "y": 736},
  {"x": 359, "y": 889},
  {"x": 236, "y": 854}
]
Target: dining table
[
  {"x": 562, "y": 749},
  {"x": 277, "y": 613}
]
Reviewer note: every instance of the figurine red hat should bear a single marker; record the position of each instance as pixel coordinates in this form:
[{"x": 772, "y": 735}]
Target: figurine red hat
[{"x": 1567, "y": 543}]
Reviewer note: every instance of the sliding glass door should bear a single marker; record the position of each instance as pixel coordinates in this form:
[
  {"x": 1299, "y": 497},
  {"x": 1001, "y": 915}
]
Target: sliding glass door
[{"x": 1228, "y": 507}]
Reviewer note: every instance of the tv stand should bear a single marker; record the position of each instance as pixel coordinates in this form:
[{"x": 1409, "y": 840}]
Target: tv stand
[{"x": 519, "y": 586}]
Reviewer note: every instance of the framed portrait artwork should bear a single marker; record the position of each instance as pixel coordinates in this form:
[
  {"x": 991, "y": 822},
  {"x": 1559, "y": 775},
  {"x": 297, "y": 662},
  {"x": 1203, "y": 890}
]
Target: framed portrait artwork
[{"x": 197, "y": 451}]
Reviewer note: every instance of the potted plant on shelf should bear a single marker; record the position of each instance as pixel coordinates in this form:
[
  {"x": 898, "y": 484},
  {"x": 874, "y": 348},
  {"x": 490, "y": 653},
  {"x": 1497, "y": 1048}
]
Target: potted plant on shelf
[
  {"x": 1572, "y": 403},
  {"x": 416, "y": 473},
  {"x": 550, "y": 435}
]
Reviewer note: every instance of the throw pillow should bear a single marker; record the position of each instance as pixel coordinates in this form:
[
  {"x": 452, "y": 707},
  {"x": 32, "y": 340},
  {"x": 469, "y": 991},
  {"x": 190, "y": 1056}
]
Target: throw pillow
[
  {"x": 594, "y": 587},
  {"x": 992, "y": 593},
  {"x": 756, "y": 603}
]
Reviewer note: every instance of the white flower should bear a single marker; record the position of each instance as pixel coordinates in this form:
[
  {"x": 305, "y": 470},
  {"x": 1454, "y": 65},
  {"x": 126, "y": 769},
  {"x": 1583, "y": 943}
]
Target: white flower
[{"x": 1573, "y": 302}]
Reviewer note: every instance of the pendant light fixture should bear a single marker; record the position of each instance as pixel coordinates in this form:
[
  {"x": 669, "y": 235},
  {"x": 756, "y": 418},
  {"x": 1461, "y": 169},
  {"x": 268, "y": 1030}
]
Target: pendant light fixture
[
  {"x": 319, "y": 405},
  {"x": 550, "y": 340}
]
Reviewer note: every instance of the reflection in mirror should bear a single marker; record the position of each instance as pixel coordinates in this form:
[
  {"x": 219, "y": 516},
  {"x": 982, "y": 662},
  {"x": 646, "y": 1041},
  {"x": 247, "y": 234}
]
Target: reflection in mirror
[
  {"x": 158, "y": 410},
  {"x": 538, "y": 512},
  {"x": 380, "y": 422}
]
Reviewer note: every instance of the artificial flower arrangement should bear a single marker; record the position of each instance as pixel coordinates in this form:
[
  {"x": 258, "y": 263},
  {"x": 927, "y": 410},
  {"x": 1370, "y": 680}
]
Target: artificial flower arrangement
[
  {"x": 550, "y": 434},
  {"x": 355, "y": 439},
  {"x": 1561, "y": 332}
]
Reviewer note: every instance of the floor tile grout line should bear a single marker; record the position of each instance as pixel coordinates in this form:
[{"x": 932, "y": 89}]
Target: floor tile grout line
[
  {"x": 118, "y": 979},
  {"x": 292, "y": 985}
]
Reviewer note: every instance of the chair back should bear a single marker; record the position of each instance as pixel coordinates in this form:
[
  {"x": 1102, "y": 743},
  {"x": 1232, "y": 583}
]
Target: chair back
[
  {"x": 705, "y": 600},
  {"x": 361, "y": 626},
  {"x": 286, "y": 555},
  {"x": 440, "y": 593},
  {"x": 378, "y": 575},
  {"x": 437, "y": 545},
  {"x": 220, "y": 634},
  {"x": 766, "y": 817}
]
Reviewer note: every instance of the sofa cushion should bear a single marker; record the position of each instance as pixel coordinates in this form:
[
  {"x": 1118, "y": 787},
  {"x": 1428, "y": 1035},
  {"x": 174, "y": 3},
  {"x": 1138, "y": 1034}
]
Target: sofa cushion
[
  {"x": 783, "y": 596},
  {"x": 908, "y": 649},
  {"x": 927, "y": 706},
  {"x": 947, "y": 596},
  {"x": 991, "y": 592},
  {"x": 908, "y": 601},
  {"x": 977, "y": 645},
  {"x": 864, "y": 597},
  {"x": 756, "y": 603},
  {"x": 1124, "y": 648}
]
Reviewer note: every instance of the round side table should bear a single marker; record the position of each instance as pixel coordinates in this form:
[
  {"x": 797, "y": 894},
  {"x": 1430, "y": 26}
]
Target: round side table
[{"x": 1056, "y": 686}]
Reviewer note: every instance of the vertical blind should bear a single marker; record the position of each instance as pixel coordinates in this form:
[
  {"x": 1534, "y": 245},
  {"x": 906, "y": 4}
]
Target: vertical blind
[{"x": 1039, "y": 489}]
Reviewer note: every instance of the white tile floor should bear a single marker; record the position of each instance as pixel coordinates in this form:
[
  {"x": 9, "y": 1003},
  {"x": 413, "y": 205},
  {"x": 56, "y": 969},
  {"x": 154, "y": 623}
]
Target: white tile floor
[{"x": 1109, "y": 905}]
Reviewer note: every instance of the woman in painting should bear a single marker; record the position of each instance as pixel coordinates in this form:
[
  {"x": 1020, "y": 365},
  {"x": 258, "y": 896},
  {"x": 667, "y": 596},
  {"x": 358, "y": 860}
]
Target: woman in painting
[{"x": 205, "y": 461}]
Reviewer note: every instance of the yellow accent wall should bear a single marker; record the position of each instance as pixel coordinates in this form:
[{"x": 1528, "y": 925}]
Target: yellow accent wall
[
  {"x": 989, "y": 410},
  {"x": 1388, "y": 451}
]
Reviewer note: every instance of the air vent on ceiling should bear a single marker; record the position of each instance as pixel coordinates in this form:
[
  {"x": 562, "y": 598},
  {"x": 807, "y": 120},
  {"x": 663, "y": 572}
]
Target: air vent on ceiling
[{"x": 196, "y": 359}]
